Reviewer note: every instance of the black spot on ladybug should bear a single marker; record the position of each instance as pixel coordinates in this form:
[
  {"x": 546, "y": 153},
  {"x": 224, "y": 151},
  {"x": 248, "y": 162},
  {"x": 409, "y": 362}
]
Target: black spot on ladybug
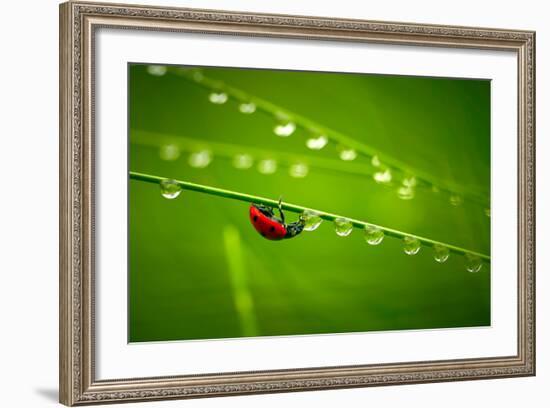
[
  {"x": 272, "y": 228},
  {"x": 255, "y": 218}
]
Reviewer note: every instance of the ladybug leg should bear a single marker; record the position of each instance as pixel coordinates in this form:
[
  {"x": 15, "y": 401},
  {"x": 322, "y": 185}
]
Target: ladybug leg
[
  {"x": 264, "y": 209},
  {"x": 294, "y": 228},
  {"x": 280, "y": 206}
]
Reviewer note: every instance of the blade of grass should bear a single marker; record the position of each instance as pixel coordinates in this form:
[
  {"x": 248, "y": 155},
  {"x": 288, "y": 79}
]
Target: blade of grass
[
  {"x": 226, "y": 150},
  {"x": 186, "y": 185},
  {"x": 244, "y": 304},
  {"x": 313, "y": 126}
]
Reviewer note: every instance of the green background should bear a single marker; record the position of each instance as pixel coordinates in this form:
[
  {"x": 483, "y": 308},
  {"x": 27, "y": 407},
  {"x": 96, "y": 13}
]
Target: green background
[{"x": 197, "y": 268}]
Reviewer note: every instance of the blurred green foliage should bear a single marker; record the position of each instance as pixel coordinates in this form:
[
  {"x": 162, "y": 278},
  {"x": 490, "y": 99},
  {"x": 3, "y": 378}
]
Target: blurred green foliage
[{"x": 197, "y": 268}]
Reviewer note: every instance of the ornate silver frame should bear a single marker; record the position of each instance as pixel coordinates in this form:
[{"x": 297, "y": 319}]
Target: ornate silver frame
[{"x": 78, "y": 22}]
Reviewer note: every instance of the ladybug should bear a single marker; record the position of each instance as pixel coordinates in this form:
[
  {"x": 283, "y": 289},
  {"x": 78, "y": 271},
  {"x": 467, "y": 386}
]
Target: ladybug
[{"x": 271, "y": 227}]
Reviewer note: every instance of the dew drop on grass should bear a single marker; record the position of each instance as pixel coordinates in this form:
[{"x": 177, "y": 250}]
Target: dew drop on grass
[
  {"x": 312, "y": 220},
  {"x": 267, "y": 166},
  {"x": 170, "y": 189},
  {"x": 382, "y": 177},
  {"x": 317, "y": 143},
  {"x": 373, "y": 235},
  {"x": 298, "y": 170},
  {"x": 343, "y": 226},
  {"x": 455, "y": 200},
  {"x": 247, "y": 108},
  {"x": 242, "y": 161},
  {"x": 169, "y": 152},
  {"x": 156, "y": 70},
  {"x": 409, "y": 181},
  {"x": 347, "y": 154},
  {"x": 405, "y": 193},
  {"x": 197, "y": 75},
  {"x": 441, "y": 253},
  {"x": 200, "y": 159},
  {"x": 473, "y": 263},
  {"x": 284, "y": 129},
  {"x": 411, "y": 245},
  {"x": 375, "y": 161},
  {"x": 487, "y": 212},
  {"x": 218, "y": 98}
]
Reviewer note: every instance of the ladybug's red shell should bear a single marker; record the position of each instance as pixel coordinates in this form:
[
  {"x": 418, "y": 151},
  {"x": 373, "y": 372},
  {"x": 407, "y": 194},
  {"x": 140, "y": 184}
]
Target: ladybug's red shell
[{"x": 268, "y": 227}]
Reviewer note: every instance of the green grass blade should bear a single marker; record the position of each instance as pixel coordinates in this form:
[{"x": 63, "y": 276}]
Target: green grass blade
[
  {"x": 244, "y": 303},
  {"x": 235, "y": 195}
]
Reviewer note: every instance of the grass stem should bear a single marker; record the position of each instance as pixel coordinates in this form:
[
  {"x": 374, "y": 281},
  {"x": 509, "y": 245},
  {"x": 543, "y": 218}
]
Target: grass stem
[
  {"x": 316, "y": 128},
  {"x": 235, "y": 195}
]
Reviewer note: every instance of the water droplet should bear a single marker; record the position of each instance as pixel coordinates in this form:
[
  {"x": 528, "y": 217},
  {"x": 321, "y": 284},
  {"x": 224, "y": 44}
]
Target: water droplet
[
  {"x": 382, "y": 177},
  {"x": 284, "y": 129},
  {"x": 405, "y": 193},
  {"x": 169, "y": 152},
  {"x": 348, "y": 154},
  {"x": 409, "y": 181},
  {"x": 375, "y": 161},
  {"x": 242, "y": 161},
  {"x": 170, "y": 189},
  {"x": 247, "y": 108},
  {"x": 441, "y": 253},
  {"x": 411, "y": 245},
  {"x": 473, "y": 263},
  {"x": 487, "y": 212},
  {"x": 267, "y": 166},
  {"x": 218, "y": 98},
  {"x": 198, "y": 75},
  {"x": 157, "y": 70},
  {"x": 311, "y": 219},
  {"x": 317, "y": 143},
  {"x": 298, "y": 170},
  {"x": 373, "y": 235},
  {"x": 435, "y": 189},
  {"x": 200, "y": 159},
  {"x": 343, "y": 226},
  {"x": 455, "y": 200}
]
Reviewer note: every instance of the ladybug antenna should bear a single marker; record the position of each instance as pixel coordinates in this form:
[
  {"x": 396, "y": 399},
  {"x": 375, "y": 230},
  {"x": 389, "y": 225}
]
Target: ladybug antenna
[{"x": 280, "y": 206}]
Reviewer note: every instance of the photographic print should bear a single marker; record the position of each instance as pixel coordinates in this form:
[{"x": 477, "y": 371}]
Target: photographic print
[
  {"x": 277, "y": 203},
  {"x": 258, "y": 203}
]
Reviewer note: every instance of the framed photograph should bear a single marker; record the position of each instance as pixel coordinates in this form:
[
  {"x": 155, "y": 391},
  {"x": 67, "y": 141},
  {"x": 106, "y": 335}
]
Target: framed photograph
[{"x": 258, "y": 203}]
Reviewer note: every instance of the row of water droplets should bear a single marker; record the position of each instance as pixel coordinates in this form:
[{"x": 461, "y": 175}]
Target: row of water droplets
[
  {"x": 373, "y": 234},
  {"x": 202, "y": 158},
  {"x": 285, "y": 127},
  {"x": 407, "y": 186}
]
